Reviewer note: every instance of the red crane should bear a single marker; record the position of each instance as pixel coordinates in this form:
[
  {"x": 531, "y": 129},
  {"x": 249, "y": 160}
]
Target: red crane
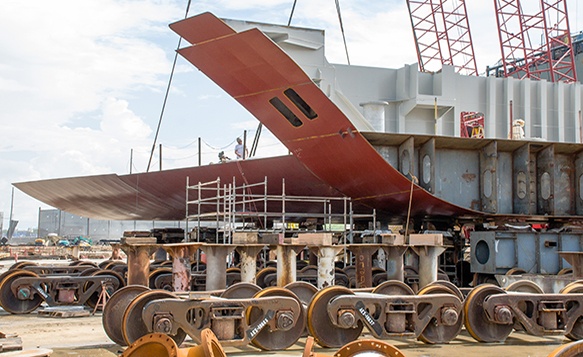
[
  {"x": 553, "y": 58},
  {"x": 442, "y": 35}
]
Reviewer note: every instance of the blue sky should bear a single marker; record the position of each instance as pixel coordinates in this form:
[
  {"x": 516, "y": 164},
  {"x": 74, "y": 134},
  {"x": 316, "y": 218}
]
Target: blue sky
[{"x": 82, "y": 82}]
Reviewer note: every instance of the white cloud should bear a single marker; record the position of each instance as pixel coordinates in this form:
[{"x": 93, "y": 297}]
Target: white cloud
[{"x": 119, "y": 122}]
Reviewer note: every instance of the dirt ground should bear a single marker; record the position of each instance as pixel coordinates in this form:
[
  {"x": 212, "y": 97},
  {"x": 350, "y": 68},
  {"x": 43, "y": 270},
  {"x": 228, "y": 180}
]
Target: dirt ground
[{"x": 84, "y": 336}]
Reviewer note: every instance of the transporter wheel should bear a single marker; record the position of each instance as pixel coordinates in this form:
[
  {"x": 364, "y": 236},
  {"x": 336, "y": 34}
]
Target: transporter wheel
[
  {"x": 25, "y": 300},
  {"x": 565, "y": 271},
  {"x": 576, "y": 332},
  {"x": 110, "y": 287},
  {"x": 241, "y": 291},
  {"x": 133, "y": 326},
  {"x": 104, "y": 264},
  {"x": 437, "y": 331},
  {"x": 515, "y": 271},
  {"x": 309, "y": 269},
  {"x": 350, "y": 271},
  {"x": 570, "y": 286},
  {"x": 325, "y": 332},
  {"x": 572, "y": 349},
  {"x": 267, "y": 339},
  {"x": 476, "y": 321},
  {"x": 89, "y": 271},
  {"x": 155, "y": 274},
  {"x": 451, "y": 286},
  {"x": 525, "y": 286},
  {"x": 113, "y": 311},
  {"x": 260, "y": 276},
  {"x": 305, "y": 292},
  {"x": 393, "y": 287},
  {"x": 22, "y": 264}
]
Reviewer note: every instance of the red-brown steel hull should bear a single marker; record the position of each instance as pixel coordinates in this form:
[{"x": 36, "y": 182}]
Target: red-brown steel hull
[
  {"x": 161, "y": 195},
  {"x": 254, "y": 71},
  {"x": 330, "y": 157}
]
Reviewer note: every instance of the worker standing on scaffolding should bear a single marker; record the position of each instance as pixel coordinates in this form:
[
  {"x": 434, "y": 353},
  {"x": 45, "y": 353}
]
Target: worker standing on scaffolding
[{"x": 241, "y": 152}]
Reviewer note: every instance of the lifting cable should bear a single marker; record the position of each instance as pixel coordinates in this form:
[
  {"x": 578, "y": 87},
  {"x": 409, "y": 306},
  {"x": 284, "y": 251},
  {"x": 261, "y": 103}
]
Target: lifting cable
[
  {"x": 292, "y": 13},
  {"x": 167, "y": 92},
  {"x": 342, "y": 30},
  {"x": 339, "y": 20}
]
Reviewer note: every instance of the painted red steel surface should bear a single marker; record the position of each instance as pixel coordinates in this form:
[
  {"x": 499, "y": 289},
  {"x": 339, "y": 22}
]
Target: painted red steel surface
[
  {"x": 253, "y": 70},
  {"x": 330, "y": 157},
  {"x": 161, "y": 195}
]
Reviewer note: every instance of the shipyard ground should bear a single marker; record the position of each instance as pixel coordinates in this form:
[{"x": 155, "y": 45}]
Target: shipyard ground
[{"x": 84, "y": 336}]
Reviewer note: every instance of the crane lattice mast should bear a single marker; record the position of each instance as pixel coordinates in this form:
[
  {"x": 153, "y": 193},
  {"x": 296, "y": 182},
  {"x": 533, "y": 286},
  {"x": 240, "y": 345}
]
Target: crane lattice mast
[
  {"x": 442, "y": 35},
  {"x": 553, "y": 58}
]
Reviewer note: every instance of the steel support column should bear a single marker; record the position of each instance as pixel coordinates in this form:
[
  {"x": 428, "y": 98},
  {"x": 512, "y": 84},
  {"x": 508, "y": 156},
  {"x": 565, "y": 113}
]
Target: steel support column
[
  {"x": 248, "y": 254},
  {"x": 326, "y": 269},
  {"x": 363, "y": 255},
  {"x": 216, "y": 265},
  {"x": 138, "y": 261},
  {"x": 181, "y": 254},
  {"x": 395, "y": 265},
  {"x": 428, "y": 263},
  {"x": 286, "y": 263}
]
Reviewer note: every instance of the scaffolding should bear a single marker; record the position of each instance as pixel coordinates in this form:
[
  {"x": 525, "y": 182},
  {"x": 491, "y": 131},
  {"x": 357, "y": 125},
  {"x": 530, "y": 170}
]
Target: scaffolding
[{"x": 229, "y": 208}]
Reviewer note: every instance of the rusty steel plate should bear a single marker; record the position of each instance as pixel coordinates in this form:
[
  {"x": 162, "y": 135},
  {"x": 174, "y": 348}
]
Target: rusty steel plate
[
  {"x": 477, "y": 323},
  {"x": 393, "y": 287},
  {"x": 133, "y": 327},
  {"x": 325, "y": 332},
  {"x": 369, "y": 348},
  {"x": 278, "y": 339},
  {"x": 436, "y": 331},
  {"x": 114, "y": 309},
  {"x": 14, "y": 304},
  {"x": 154, "y": 345},
  {"x": 241, "y": 290},
  {"x": 573, "y": 349}
]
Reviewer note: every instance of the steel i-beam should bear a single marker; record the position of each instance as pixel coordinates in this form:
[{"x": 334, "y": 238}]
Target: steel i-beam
[
  {"x": 216, "y": 265},
  {"x": 181, "y": 254},
  {"x": 248, "y": 254},
  {"x": 326, "y": 269}
]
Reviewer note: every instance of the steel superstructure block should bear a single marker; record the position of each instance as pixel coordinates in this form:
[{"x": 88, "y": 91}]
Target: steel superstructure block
[
  {"x": 442, "y": 35},
  {"x": 553, "y": 58}
]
